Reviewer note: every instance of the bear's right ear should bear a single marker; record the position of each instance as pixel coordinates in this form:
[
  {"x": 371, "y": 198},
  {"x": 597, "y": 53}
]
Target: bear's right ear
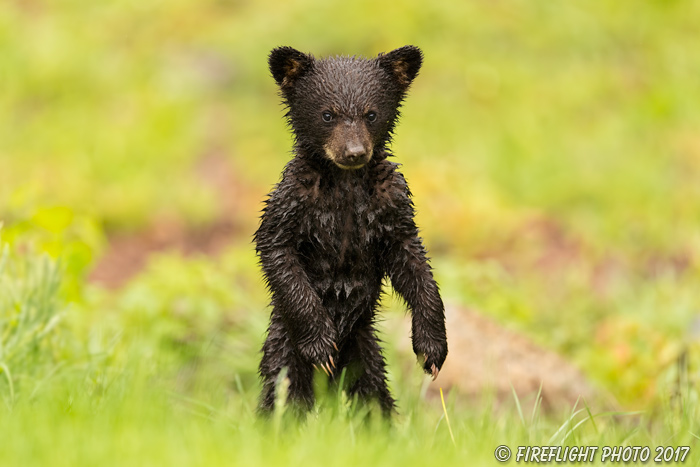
[
  {"x": 402, "y": 64},
  {"x": 287, "y": 65}
]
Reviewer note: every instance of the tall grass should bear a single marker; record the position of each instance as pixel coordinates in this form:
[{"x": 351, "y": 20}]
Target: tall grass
[{"x": 29, "y": 319}]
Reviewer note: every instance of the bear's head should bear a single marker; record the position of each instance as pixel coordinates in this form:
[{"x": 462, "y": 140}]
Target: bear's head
[{"x": 343, "y": 108}]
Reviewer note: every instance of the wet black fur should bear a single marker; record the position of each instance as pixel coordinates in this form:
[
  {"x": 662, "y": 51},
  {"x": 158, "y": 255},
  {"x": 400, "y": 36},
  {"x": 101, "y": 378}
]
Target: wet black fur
[{"x": 329, "y": 236}]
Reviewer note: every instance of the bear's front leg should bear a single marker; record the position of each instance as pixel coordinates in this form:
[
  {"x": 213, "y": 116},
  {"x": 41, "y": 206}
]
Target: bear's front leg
[
  {"x": 300, "y": 309},
  {"x": 300, "y": 338},
  {"x": 405, "y": 262},
  {"x": 411, "y": 277}
]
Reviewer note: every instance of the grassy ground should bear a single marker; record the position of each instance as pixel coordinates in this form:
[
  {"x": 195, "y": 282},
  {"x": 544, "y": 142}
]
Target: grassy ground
[
  {"x": 554, "y": 156},
  {"x": 124, "y": 390}
]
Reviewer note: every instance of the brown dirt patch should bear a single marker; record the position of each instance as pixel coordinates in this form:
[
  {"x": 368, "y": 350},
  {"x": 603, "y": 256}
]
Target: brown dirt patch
[
  {"x": 488, "y": 360},
  {"x": 128, "y": 254}
]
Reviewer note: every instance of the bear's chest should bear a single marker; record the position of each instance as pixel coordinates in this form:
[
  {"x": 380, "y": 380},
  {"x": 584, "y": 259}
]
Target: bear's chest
[
  {"x": 340, "y": 224},
  {"x": 340, "y": 247}
]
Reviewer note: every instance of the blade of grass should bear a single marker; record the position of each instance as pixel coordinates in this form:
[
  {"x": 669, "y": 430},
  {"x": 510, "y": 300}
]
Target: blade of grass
[
  {"x": 517, "y": 405},
  {"x": 447, "y": 418},
  {"x": 590, "y": 415},
  {"x": 8, "y": 376},
  {"x": 564, "y": 425},
  {"x": 538, "y": 400}
]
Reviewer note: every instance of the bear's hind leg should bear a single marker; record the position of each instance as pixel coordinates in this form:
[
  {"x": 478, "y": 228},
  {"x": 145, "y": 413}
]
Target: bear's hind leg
[
  {"x": 279, "y": 353},
  {"x": 365, "y": 355}
]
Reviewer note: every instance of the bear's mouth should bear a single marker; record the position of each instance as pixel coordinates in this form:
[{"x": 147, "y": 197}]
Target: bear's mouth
[
  {"x": 348, "y": 163},
  {"x": 350, "y": 167}
]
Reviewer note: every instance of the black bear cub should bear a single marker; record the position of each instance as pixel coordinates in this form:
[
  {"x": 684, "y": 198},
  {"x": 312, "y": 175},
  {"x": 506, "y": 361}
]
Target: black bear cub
[{"x": 339, "y": 221}]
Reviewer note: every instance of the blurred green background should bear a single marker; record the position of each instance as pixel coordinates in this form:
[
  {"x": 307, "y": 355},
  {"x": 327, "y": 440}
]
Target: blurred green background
[{"x": 553, "y": 149}]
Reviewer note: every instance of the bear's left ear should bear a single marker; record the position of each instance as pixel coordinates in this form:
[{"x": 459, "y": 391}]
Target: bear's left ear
[
  {"x": 287, "y": 65},
  {"x": 402, "y": 64}
]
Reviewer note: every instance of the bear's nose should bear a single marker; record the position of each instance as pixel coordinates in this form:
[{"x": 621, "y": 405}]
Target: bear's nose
[{"x": 354, "y": 151}]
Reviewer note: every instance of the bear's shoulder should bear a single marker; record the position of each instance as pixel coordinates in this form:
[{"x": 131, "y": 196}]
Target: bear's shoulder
[
  {"x": 298, "y": 183},
  {"x": 389, "y": 183}
]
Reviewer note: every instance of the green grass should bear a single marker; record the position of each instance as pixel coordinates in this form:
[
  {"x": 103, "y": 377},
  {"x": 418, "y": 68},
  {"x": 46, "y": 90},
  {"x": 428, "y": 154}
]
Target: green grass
[
  {"x": 141, "y": 383},
  {"x": 149, "y": 427}
]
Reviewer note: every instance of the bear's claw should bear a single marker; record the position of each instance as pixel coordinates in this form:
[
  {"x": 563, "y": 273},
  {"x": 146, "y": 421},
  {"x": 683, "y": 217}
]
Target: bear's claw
[{"x": 326, "y": 367}]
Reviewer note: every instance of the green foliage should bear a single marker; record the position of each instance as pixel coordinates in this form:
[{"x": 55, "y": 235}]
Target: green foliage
[
  {"x": 30, "y": 315},
  {"x": 61, "y": 233},
  {"x": 196, "y": 321}
]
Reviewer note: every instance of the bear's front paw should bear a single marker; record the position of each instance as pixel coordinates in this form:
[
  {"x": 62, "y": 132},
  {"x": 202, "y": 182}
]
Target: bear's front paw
[
  {"x": 327, "y": 366},
  {"x": 431, "y": 356},
  {"x": 321, "y": 352}
]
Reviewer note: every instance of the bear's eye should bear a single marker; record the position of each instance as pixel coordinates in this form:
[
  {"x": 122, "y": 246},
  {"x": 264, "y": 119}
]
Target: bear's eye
[
  {"x": 327, "y": 116},
  {"x": 372, "y": 116}
]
